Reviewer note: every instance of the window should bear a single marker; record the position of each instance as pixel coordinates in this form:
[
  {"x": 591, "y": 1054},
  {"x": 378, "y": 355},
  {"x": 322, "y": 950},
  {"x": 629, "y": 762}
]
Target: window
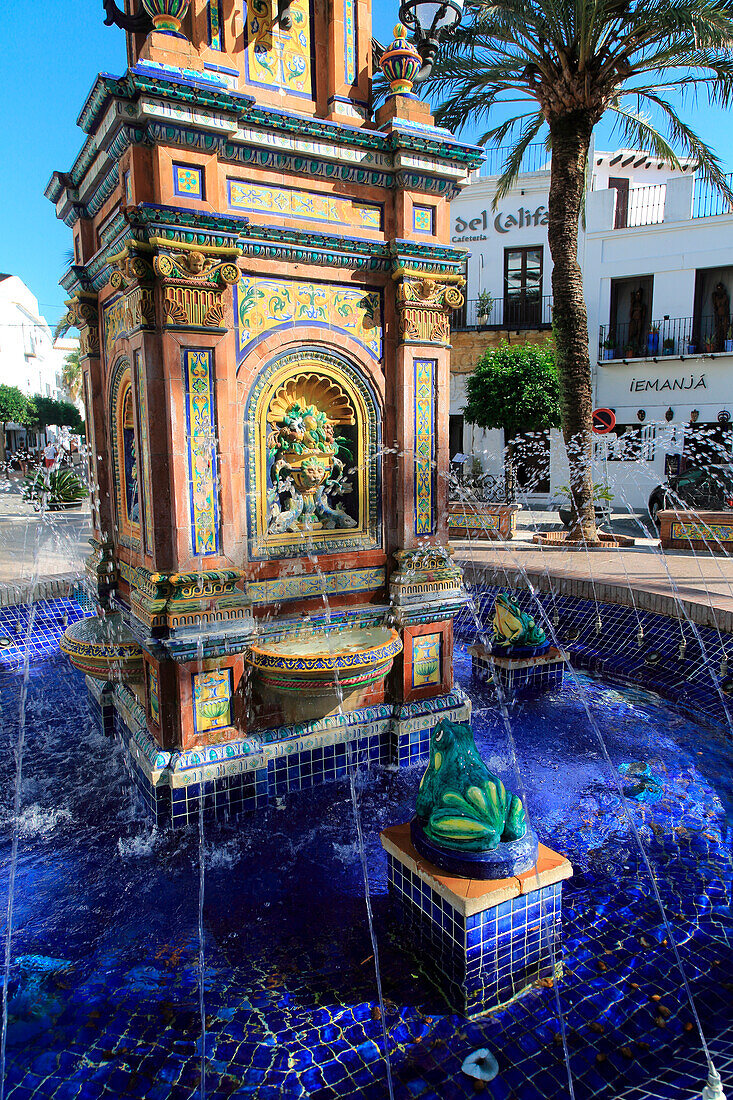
[
  {"x": 455, "y": 436},
  {"x": 631, "y": 314},
  {"x": 522, "y": 287},
  {"x": 711, "y": 329}
]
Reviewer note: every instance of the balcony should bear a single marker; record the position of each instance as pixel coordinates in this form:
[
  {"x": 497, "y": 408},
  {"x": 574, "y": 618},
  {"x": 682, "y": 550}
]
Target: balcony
[
  {"x": 536, "y": 159},
  {"x": 514, "y": 313},
  {"x": 670, "y": 337}
]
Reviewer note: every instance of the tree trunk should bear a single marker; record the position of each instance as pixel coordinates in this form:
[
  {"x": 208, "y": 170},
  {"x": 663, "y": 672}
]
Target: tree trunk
[{"x": 571, "y": 135}]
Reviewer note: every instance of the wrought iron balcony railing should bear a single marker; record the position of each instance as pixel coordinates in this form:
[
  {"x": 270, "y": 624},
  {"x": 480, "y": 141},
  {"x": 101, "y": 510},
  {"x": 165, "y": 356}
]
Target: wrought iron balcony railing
[
  {"x": 707, "y": 334},
  {"x": 520, "y": 311}
]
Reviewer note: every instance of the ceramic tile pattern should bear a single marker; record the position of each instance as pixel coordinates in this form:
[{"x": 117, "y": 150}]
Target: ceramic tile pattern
[
  {"x": 349, "y": 42},
  {"x": 202, "y": 458},
  {"x": 423, "y": 219},
  {"x": 285, "y": 202},
  {"x": 188, "y": 181},
  {"x": 261, "y": 305},
  {"x": 215, "y": 24},
  {"x": 482, "y": 961},
  {"x": 277, "y": 59},
  {"x": 427, "y": 660},
  {"x": 424, "y": 446},
  {"x": 103, "y": 996}
]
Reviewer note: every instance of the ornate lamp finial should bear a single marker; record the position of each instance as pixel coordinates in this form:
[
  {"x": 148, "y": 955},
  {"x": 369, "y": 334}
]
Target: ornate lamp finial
[
  {"x": 166, "y": 14},
  {"x": 400, "y": 63}
]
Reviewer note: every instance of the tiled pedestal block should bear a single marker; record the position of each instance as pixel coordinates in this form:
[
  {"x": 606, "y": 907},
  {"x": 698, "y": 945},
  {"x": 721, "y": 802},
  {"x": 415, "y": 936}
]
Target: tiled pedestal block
[
  {"x": 482, "y": 942},
  {"x": 521, "y": 675}
]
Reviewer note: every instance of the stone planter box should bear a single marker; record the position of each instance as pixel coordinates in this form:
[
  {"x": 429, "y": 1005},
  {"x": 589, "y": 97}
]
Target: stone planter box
[
  {"x": 680, "y": 530},
  {"x": 482, "y": 521}
]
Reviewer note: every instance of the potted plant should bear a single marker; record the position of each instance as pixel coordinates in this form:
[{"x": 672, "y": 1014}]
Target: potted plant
[
  {"x": 629, "y": 351},
  {"x": 602, "y": 497},
  {"x": 691, "y": 348},
  {"x": 652, "y": 340},
  {"x": 58, "y": 488},
  {"x": 709, "y": 345},
  {"x": 668, "y": 345},
  {"x": 484, "y": 306},
  {"x": 609, "y": 347}
]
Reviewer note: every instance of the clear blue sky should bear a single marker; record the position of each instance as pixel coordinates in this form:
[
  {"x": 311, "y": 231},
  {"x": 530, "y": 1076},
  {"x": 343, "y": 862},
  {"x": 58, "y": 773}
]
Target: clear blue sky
[{"x": 51, "y": 55}]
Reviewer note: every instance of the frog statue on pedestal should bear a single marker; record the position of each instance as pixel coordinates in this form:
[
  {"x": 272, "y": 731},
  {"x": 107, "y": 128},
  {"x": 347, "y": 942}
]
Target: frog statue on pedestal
[
  {"x": 514, "y": 628},
  {"x": 466, "y": 821}
]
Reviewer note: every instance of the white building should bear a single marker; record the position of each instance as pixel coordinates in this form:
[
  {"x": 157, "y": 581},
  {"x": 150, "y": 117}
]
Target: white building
[
  {"x": 657, "y": 259},
  {"x": 29, "y": 358}
]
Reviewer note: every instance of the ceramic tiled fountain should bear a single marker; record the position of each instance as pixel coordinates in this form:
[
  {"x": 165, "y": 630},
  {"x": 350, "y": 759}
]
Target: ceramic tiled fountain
[{"x": 263, "y": 286}]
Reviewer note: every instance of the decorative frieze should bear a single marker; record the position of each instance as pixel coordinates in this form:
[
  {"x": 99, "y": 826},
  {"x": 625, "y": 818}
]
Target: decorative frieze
[
  {"x": 186, "y": 602},
  {"x": 83, "y": 313},
  {"x": 192, "y": 284},
  {"x": 427, "y": 586}
]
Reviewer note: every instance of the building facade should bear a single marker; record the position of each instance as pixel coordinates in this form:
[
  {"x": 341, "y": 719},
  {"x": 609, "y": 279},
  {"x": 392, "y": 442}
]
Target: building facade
[
  {"x": 656, "y": 252},
  {"x": 29, "y": 357}
]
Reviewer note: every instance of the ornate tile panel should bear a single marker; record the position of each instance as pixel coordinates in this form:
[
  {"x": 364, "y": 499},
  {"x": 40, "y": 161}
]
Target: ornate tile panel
[
  {"x": 212, "y": 693},
  {"x": 275, "y": 58},
  {"x": 423, "y": 219},
  {"x": 326, "y": 504},
  {"x": 424, "y": 446},
  {"x": 188, "y": 181},
  {"x": 154, "y": 694},
  {"x": 712, "y": 532},
  {"x": 215, "y": 24},
  {"x": 349, "y": 41},
  {"x": 305, "y": 205},
  {"x": 315, "y": 585},
  {"x": 427, "y": 660},
  {"x": 262, "y": 305},
  {"x": 144, "y": 448},
  {"x": 202, "y": 461}
]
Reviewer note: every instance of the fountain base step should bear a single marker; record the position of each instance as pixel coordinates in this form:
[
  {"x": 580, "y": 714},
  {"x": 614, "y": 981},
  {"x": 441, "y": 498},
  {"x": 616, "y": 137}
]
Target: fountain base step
[
  {"x": 482, "y": 942},
  {"x": 241, "y": 776}
]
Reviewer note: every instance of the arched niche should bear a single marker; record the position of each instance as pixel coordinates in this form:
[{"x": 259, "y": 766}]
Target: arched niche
[
  {"x": 312, "y": 453},
  {"x": 124, "y": 454}
]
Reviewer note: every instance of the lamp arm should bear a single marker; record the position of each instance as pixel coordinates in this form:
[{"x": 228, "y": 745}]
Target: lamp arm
[{"x": 138, "y": 23}]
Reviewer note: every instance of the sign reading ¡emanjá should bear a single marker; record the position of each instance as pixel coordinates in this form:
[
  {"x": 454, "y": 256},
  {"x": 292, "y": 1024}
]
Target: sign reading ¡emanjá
[
  {"x": 502, "y": 222},
  {"x": 686, "y": 382}
]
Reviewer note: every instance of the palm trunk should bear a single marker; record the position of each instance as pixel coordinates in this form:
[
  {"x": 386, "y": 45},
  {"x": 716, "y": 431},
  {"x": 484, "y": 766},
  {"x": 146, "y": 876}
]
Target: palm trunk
[{"x": 570, "y": 143}]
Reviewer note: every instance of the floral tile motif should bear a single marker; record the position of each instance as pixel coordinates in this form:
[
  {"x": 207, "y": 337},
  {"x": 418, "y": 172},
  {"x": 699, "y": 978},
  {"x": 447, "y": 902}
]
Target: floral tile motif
[
  {"x": 212, "y": 692},
  {"x": 427, "y": 660},
  {"x": 424, "y": 446},
  {"x": 188, "y": 181},
  {"x": 712, "y": 532},
  {"x": 277, "y": 58},
  {"x": 306, "y": 205},
  {"x": 265, "y": 304},
  {"x": 201, "y": 434},
  {"x": 114, "y": 325},
  {"x": 423, "y": 219}
]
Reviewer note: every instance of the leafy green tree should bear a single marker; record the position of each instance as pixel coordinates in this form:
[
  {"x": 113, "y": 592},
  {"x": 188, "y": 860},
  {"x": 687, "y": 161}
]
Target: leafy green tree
[
  {"x": 69, "y": 417},
  {"x": 47, "y": 410},
  {"x": 71, "y": 375},
  {"x": 569, "y": 62},
  {"x": 13, "y": 407},
  {"x": 514, "y": 387}
]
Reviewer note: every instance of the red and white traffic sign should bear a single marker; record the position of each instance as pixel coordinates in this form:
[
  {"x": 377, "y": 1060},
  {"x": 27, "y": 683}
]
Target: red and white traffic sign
[{"x": 604, "y": 420}]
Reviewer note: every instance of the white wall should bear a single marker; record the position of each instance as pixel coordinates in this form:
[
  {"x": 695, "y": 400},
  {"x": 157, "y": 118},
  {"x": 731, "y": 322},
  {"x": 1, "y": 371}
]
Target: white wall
[{"x": 28, "y": 358}]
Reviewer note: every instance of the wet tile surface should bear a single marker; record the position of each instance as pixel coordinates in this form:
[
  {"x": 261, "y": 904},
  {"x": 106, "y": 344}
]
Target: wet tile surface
[{"x": 104, "y": 984}]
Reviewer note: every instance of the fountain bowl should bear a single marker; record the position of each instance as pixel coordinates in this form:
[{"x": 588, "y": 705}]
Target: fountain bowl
[{"x": 323, "y": 672}]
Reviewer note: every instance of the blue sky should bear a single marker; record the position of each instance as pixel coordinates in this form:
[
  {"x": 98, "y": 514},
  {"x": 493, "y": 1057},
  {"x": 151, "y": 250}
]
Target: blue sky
[{"x": 51, "y": 55}]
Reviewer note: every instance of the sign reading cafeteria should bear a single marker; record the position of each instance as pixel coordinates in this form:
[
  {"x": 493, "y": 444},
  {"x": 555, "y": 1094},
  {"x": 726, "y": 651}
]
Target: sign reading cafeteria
[{"x": 502, "y": 222}]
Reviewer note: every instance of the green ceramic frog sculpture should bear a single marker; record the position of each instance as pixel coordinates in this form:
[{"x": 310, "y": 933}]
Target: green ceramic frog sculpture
[
  {"x": 461, "y": 805},
  {"x": 514, "y": 627}
]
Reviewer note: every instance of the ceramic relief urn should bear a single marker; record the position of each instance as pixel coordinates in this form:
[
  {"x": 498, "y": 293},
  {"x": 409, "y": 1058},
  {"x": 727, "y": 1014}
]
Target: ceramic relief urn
[{"x": 166, "y": 14}]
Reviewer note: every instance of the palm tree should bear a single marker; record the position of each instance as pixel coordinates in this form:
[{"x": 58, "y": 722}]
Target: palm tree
[
  {"x": 71, "y": 375},
  {"x": 570, "y": 62}
]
